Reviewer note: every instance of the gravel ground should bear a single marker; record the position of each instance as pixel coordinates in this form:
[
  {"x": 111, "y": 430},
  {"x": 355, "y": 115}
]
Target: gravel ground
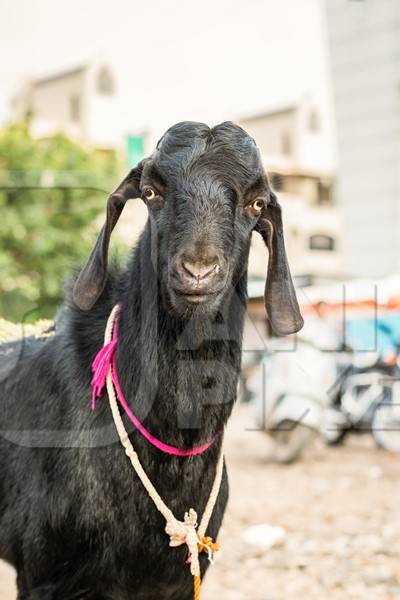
[{"x": 339, "y": 508}]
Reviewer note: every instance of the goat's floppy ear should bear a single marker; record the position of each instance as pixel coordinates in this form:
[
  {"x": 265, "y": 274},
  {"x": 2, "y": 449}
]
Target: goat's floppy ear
[
  {"x": 280, "y": 297},
  {"x": 92, "y": 279}
]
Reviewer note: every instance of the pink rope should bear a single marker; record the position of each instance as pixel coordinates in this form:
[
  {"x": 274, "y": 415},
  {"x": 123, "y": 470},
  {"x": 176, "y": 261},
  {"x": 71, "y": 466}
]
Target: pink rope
[{"x": 105, "y": 359}]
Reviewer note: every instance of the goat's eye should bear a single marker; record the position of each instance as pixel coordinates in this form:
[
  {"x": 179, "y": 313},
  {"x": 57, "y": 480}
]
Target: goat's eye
[
  {"x": 257, "y": 205},
  {"x": 149, "y": 193}
]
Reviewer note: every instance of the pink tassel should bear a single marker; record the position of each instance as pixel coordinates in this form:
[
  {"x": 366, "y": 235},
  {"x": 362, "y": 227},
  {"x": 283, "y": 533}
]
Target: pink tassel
[{"x": 100, "y": 368}]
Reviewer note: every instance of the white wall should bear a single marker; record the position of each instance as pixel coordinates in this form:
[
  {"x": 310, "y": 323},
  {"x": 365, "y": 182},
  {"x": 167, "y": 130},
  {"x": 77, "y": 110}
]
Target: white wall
[
  {"x": 268, "y": 129},
  {"x": 315, "y": 151},
  {"x": 311, "y": 151},
  {"x": 99, "y": 123},
  {"x": 104, "y": 124},
  {"x": 365, "y": 54},
  {"x": 51, "y": 106}
]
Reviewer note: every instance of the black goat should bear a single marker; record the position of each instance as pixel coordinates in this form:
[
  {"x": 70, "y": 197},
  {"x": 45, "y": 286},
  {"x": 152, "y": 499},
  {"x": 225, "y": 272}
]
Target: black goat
[{"x": 75, "y": 520}]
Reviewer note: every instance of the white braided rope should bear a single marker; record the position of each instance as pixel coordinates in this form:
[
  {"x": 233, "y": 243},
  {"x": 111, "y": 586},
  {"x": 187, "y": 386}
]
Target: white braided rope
[{"x": 180, "y": 532}]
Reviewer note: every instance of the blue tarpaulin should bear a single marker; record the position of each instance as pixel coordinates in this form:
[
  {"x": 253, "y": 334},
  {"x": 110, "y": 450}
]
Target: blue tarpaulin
[{"x": 369, "y": 334}]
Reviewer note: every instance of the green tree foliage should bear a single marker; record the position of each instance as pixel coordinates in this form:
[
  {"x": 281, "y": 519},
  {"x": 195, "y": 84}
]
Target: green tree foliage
[{"x": 51, "y": 191}]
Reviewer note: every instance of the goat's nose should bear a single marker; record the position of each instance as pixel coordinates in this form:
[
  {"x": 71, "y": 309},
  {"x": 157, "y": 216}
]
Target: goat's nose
[{"x": 199, "y": 270}]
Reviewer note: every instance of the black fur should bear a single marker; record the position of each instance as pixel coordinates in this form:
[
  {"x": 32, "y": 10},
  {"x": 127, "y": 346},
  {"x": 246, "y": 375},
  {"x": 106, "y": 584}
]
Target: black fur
[{"x": 75, "y": 520}]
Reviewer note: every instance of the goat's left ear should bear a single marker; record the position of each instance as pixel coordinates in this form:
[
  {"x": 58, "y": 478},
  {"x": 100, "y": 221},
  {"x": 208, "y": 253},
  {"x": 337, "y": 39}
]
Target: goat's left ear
[
  {"x": 280, "y": 297},
  {"x": 92, "y": 279}
]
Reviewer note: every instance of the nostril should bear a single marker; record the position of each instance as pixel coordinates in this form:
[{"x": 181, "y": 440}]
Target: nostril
[{"x": 199, "y": 271}]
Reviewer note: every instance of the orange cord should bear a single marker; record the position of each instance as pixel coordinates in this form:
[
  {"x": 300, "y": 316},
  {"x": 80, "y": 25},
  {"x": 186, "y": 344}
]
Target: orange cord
[
  {"x": 197, "y": 584},
  {"x": 206, "y": 544}
]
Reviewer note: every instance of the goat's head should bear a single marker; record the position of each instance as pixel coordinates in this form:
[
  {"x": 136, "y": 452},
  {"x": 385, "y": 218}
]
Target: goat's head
[{"x": 206, "y": 191}]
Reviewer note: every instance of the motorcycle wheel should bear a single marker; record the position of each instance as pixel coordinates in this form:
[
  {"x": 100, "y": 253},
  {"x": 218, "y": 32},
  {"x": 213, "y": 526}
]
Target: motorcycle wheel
[
  {"x": 335, "y": 440},
  {"x": 386, "y": 426},
  {"x": 334, "y": 427},
  {"x": 289, "y": 440}
]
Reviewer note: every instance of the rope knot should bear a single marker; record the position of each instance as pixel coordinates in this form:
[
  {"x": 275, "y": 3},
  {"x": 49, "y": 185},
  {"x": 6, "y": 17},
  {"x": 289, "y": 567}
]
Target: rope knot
[
  {"x": 184, "y": 532},
  {"x": 207, "y": 544}
]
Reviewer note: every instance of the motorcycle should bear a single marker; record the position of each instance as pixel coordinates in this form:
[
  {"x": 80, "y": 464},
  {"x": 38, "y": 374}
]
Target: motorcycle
[
  {"x": 310, "y": 391},
  {"x": 367, "y": 397}
]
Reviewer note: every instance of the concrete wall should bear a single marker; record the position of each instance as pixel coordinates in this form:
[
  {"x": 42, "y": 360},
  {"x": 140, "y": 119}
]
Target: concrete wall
[{"x": 364, "y": 42}]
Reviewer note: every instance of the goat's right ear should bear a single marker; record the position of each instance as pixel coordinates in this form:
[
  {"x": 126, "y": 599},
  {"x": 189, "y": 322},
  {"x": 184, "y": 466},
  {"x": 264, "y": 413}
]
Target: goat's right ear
[{"x": 92, "y": 279}]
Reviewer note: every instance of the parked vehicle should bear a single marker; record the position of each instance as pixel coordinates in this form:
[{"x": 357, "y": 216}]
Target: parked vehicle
[
  {"x": 367, "y": 397},
  {"x": 290, "y": 397},
  {"x": 308, "y": 391}
]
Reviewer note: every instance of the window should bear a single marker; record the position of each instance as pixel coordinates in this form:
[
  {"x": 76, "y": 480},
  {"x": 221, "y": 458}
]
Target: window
[
  {"x": 74, "y": 108},
  {"x": 324, "y": 192},
  {"x": 322, "y": 242},
  {"x": 286, "y": 143},
  {"x": 105, "y": 82}
]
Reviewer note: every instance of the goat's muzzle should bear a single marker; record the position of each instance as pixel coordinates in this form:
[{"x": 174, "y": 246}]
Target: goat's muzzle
[{"x": 196, "y": 280}]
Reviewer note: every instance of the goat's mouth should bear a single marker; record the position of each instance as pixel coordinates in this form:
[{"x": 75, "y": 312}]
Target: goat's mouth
[
  {"x": 194, "y": 296},
  {"x": 199, "y": 299}
]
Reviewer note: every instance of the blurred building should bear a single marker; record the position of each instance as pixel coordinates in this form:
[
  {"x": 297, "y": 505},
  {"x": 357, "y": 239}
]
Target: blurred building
[
  {"x": 80, "y": 102},
  {"x": 296, "y": 151},
  {"x": 293, "y": 139},
  {"x": 364, "y": 41}
]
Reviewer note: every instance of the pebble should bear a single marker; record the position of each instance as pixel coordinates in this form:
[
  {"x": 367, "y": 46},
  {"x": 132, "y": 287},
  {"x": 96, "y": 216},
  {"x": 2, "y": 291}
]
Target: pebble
[{"x": 264, "y": 536}]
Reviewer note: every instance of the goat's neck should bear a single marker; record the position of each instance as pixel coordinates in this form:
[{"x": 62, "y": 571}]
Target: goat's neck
[{"x": 179, "y": 376}]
